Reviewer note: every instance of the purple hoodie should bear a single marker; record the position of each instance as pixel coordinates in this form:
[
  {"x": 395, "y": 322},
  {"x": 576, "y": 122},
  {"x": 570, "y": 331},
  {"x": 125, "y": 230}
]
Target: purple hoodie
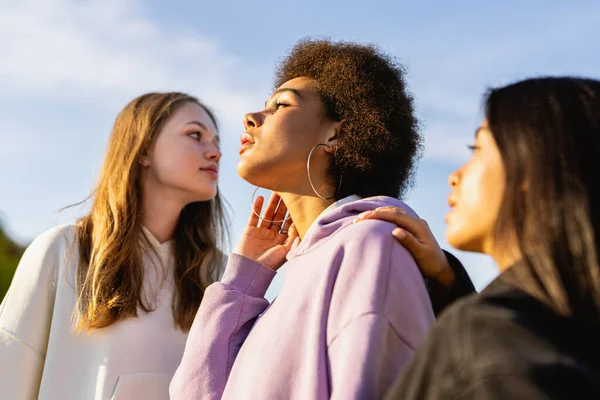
[{"x": 352, "y": 310}]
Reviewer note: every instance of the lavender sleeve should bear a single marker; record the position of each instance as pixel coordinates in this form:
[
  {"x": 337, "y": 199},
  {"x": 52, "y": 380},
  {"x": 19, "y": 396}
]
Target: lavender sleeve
[
  {"x": 226, "y": 315},
  {"x": 363, "y": 356},
  {"x": 371, "y": 348}
]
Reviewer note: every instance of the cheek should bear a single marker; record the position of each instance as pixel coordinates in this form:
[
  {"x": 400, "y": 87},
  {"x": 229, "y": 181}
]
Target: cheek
[
  {"x": 176, "y": 160},
  {"x": 290, "y": 137},
  {"x": 282, "y": 150},
  {"x": 471, "y": 222}
]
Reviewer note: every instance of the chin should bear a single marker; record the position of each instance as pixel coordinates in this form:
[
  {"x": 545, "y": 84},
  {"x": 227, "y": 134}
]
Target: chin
[
  {"x": 461, "y": 241},
  {"x": 206, "y": 194},
  {"x": 454, "y": 236},
  {"x": 242, "y": 171},
  {"x": 272, "y": 175},
  {"x": 252, "y": 174}
]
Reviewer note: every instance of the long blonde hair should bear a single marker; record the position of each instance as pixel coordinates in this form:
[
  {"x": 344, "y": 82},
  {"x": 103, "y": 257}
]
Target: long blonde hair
[{"x": 110, "y": 274}]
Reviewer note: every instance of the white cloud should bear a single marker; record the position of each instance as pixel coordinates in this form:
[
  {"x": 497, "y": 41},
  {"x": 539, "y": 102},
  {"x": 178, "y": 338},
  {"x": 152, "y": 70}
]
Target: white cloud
[
  {"x": 463, "y": 59},
  {"x": 80, "y": 61},
  {"x": 447, "y": 143},
  {"x": 67, "y": 67},
  {"x": 107, "y": 51}
]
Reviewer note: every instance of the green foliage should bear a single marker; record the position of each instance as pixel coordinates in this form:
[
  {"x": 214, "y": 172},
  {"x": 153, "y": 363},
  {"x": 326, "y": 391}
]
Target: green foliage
[{"x": 10, "y": 254}]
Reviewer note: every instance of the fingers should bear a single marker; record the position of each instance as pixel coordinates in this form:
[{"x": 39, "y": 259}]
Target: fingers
[
  {"x": 407, "y": 239},
  {"x": 287, "y": 224},
  {"x": 396, "y": 216},
  {"x": 270, "y": 211},
  {"x": 279, "y": 216},
  {"x": 292, "y": 236},
  {"x": 293, "y": 232},
  {"x": 257, "y": 206}
]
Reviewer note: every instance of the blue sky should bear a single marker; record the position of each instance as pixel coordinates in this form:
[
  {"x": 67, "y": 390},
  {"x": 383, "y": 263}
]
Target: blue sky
[{"x": 68, "y": 67}]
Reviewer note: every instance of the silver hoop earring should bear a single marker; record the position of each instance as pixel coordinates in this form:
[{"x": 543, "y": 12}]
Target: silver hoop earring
[
  {"x": 261, "y": 218},
  {"x": 310, "y": 179}
]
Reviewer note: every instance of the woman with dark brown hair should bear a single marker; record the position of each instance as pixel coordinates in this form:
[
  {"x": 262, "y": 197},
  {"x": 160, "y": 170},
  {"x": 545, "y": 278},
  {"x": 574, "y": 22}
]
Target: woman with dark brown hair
[
  {"x": 530, "y": 198},
  {"x": 102, "y": 309}
]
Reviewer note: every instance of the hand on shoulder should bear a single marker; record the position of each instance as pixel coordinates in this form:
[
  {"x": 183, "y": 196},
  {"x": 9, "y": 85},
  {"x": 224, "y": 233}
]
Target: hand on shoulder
[{"x": 414, "y": 234}]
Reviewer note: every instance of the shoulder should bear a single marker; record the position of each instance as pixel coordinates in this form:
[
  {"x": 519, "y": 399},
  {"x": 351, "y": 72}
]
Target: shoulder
[
  {"x": 500, "y": 338},
  {"x": 369, "y": 233},
  {"x": 378, "y": 275},
  {"x": 48, "y": 250},
  {"x": 376, "y": 232},
  {"x": 53, "y": 241},
  {"x": 58, "y": 235},
  {"x": 27, "y": 307},
  {"x": 462, "y": 337},
  {"x": 373, "y": 253},
  {"x": 441, "y": 366},
  {"x": 373, "y": 257},
  {"x": 472, "y": 330},
  {"x": 370, "y": 251},
  {"x": 485, "y": 351},
  {"x": 489, "y": 335}
]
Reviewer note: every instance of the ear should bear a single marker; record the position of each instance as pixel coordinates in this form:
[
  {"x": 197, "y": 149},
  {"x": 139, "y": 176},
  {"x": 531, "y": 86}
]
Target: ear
[
  {"x": 333, "y": 135},
  {"x": 145, "y": 156},
  {"x": 144, "y": 161}
]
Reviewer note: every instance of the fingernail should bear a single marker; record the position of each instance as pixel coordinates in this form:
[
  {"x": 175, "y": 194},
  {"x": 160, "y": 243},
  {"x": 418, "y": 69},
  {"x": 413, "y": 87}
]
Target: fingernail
[
  {"x": 362, "y": 216},
  {"x": 399, "y": 233}
]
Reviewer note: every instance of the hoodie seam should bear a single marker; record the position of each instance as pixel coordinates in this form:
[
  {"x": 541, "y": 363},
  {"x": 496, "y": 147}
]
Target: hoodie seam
[
  {"x": 14, "y": 336},
  {"x": 378, "y": 315},
  {"x": 388, "y": 260},
  {"x": 243, "y": 284},
  {"x": 251, "y": 278},
  {"x": 228, "y": 368},
  {"x": 325, "y": 240}
]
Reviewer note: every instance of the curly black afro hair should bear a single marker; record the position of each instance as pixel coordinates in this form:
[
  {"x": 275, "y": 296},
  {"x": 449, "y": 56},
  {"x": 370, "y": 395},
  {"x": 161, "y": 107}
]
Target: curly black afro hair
[{"x": 379, "y": 143}]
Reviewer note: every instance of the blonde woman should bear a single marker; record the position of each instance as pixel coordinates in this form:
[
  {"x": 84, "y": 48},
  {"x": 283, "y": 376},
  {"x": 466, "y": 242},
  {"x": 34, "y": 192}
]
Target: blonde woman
[{"x": 102, "y": 309}]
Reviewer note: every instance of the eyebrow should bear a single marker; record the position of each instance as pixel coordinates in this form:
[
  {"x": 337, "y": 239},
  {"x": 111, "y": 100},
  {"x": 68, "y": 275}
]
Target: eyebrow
[
  {"x": 283, "y": 90},
  {"x": 204, "y": 127},
  {"x": 478, "y": 130},
  {"x": 200, "y": 124}
]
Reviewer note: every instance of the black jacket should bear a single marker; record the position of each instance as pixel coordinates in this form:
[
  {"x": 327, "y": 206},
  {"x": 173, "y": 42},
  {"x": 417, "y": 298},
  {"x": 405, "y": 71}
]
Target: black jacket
[
  {"x": 504, "y": 344},
  {"x": 440, "y": 299}
]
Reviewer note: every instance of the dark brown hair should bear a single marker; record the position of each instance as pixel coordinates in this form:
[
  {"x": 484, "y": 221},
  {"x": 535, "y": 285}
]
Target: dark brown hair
[
  {"x": 548, "y": 133},
  {"x": 110, "y": 274},
  {"x": 366, "y": 89}
]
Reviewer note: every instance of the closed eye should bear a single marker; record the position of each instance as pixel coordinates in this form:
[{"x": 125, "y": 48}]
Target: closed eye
[{"x": 278, "y": 104}]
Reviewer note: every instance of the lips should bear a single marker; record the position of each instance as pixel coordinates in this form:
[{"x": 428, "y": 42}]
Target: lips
[
  {"x": 453, "y": 198},
  {"x": 212, "y": 170},
  {"x": 246, "y": 141},
  {"x": 452, "y": 204}
]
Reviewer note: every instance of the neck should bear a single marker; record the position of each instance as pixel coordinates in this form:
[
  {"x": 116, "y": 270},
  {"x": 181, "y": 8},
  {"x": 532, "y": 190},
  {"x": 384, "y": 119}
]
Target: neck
[
  {"x": 504, "y": 263},
  {"x": 505, "y": 257},
  {"x": 304, "y": 210},
  {"x": 160, "y": 213}
]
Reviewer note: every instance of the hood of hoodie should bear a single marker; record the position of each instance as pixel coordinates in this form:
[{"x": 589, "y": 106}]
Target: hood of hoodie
[{"x": 338, "y": 217}]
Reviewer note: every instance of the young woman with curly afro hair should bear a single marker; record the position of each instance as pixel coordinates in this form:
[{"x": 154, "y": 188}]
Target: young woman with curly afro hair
[{"x": 337, "y": 137}]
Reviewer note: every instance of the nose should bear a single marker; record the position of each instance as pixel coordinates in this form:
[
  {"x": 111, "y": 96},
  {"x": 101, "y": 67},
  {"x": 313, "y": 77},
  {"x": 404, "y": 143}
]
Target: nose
[
  {"x": 213, "y": 153},
  {"x": 454, "y": 178},
  {"x": 252, "y": 120}
]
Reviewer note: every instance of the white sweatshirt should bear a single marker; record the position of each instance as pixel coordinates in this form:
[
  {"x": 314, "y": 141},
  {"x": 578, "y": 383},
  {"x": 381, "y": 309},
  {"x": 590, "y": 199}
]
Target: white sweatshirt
[{"x": 40, "y": 355}]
